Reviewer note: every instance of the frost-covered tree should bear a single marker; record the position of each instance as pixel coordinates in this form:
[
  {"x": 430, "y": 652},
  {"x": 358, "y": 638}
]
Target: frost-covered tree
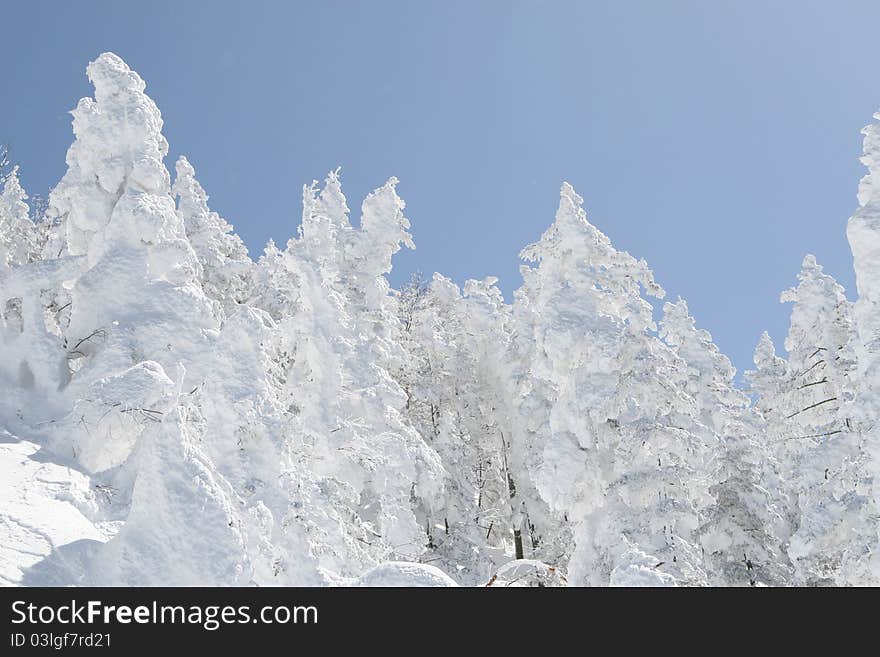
[
  {"x": 18, "y": 234},
  {"x": 655, "y": 447},
  {"x": 821, "y": 321},
  {"x": 815, "y": 439},
  {"x": 749, "y": 521},
  {"x": 138, "y": 297},
  {"x": 805, "y": 398},
  {"x": 459, "y": 396},
  {"x": 5, "y": 163},
  {"x": 226, "y": 267},
  {"x": 32, "y": 364},
  {"x": 767, "y": 383},
  {"x": 213, "y": 440},
  {"x": 376, "y": 475},
  {"x": 863, "y": 233},
  {"x": 579, "y": 315},
  {"x": 654, "y": 492},
  {"x": 275, "y": 285},
  {"x": 742, "y": 510},
  {"x": 438, "y": 379}
]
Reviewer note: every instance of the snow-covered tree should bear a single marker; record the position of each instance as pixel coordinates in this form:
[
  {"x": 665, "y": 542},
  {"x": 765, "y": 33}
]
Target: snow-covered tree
[
  {"x": 138, "y": 297},
  {"x": 275, "y": 285},
  {"x": 803, "y": 396},
  {"x": 18, "y": 234},
  {"x": 815, "y": 440},
  {"x": 376, "y": 475},
  {"x": 226, "y": 267},
  {"x": 863, "y": 233},
  {"x": 821, "y": 322},
  {"x": 654, "y": 491},
  {"x": 5, "y": 163},
  {"x": 214, "y": 439},
  {"x": 459, "y": 396},
  {"x": 580, "y": 319},
  {"x": 32, "y": 363},
  {"x": 744, "y": 524},
  {"x": 767, "y": 383}
]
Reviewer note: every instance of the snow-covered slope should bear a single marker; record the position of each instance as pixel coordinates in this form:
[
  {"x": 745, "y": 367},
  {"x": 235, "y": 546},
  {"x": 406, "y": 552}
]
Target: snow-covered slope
[{"x": 45, "y": 507}]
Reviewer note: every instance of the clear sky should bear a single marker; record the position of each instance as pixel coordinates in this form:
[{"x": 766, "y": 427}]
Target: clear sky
[{"x": 718, "y": 140}]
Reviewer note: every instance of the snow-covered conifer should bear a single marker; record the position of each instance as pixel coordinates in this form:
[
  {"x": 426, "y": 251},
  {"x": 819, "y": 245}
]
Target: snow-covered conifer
[
  {"x": 767, "y": 382},
  {"x": 579, "y": 313},
  {"x": 18, "y": 234},
  {"x": 863, "y": 233},
  {"x": 138, "y": 297},
  {"x": 743, "y": 517},
  {"x": 815, "y": 439},
  {"x": 226, "y": 267},
  {"x": 376, "y": 475}
]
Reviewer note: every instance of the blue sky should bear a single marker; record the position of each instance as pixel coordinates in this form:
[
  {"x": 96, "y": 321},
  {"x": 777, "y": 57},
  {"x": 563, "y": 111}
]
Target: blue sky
[{"x": 718, "y": 140}]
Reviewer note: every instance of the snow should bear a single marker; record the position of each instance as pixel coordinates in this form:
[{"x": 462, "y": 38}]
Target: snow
[
  {"x": 396, "y": 574},
  {"x": 198, "y": 540},
  {"x": 522, "y": 573},
  {"x": 44, "y": 507},
  {"x": 640, "y": 570}
]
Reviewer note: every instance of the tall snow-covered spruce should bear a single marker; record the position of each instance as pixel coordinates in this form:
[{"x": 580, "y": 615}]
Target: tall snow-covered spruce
[
  {"x": 297, "y": 421},
  {"x": 591, "y": 380},
  {"x": 137, "y": 298},
  {"x": 816, "y": 439},
  {"x": 863, "y": 233},
  {"x": 18, "y": 234}
]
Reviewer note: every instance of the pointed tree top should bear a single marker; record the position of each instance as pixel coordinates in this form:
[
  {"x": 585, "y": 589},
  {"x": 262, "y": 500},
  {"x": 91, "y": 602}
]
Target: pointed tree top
[
  {"x": 183, "y": 168},
  {"x": 679, "y": 330},
  {"x": 193, "y": 199},
  {"x": 110, "y": 75},
  {"x": 117, "y": 155},
  {"x": 17, "y": 231},
  {"x": 809, "y": 263},
  {"x": 331, "y": 200},
  {"x": 813, "y": 282},
  {"x": 325, "y": 211},
  {"x": 765, "y": 351},
  {"x": 869, "y": 187},
  {"x": 572, "y": 246},
  {"x": 863, "y": 228},
  {"x": 820, "y": 316},
  {"x": 13, "y": 196},
  {"x": 770, "y": 370},
  {"x": 384, "y": 224},
  {"x": 676, "y": 321},
  {"x": 569, "y": 225},
  {"x": 566, "y": 191}
]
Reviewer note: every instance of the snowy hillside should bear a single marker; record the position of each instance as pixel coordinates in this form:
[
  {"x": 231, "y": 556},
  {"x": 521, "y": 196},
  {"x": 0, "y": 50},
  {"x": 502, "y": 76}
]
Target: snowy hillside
[{"x": 174, "y": 413}]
